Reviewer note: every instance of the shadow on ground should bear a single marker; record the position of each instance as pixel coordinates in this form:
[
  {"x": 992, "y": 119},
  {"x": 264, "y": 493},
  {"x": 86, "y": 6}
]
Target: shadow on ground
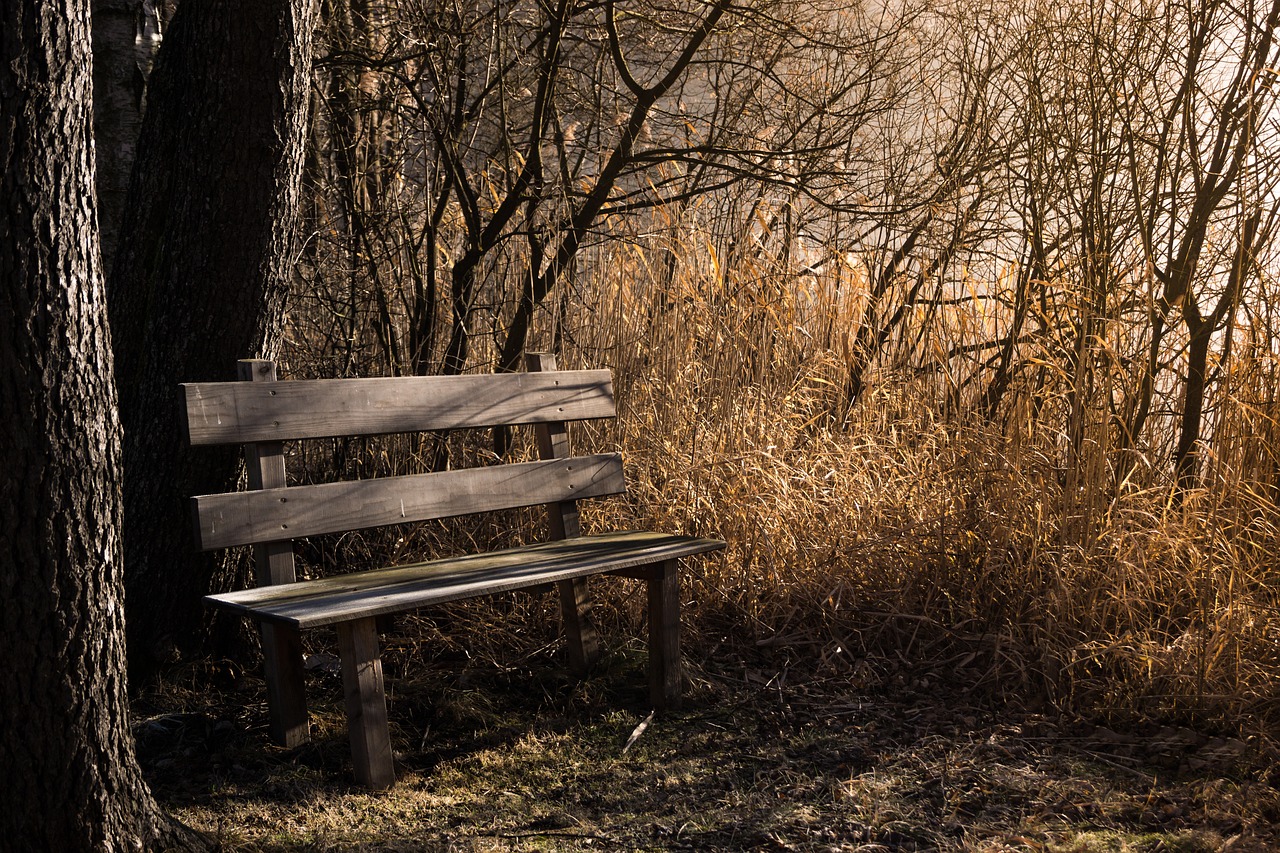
[{"x": 523, "y": 758}]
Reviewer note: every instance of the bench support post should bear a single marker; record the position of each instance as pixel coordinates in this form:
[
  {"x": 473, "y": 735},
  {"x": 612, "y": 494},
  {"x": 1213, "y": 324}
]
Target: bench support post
[
  {"x": 562, "y": 522},
  {"x": 581, "y": 641},
  {"x": 366, "y": 703},
  {"x": 664, "y": 636},
  {"x": 273, "y": 564},
  {"x": 286, "y": 693}
]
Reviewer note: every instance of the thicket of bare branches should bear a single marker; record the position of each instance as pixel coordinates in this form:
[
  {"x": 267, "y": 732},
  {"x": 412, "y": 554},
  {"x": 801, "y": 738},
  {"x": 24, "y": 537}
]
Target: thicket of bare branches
[
  {"x": 1073, "y": 202},
  {"x": 807, "y": 233}
]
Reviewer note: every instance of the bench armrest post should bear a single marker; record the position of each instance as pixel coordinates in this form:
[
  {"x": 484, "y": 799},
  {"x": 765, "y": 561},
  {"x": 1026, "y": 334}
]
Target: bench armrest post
[{"x": 553, "y": 443}]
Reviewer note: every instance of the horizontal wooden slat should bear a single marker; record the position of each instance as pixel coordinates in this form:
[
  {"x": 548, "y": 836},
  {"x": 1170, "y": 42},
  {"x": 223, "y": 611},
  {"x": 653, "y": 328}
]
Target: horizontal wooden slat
[
  {"x": 240, "y": 412},
  {"x": 311, "y": 604},
  {"x": 272, "y": 515}
]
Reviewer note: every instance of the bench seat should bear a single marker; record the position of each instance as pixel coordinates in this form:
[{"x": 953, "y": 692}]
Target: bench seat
[{"x": 395, "y": 589}]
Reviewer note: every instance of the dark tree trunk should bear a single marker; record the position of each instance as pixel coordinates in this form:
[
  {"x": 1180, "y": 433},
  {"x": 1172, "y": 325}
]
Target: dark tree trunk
[
  {"x": 71, "y": 778},
  {"x": 126, "y": 34},
  {"x": 205, "y": 260}
]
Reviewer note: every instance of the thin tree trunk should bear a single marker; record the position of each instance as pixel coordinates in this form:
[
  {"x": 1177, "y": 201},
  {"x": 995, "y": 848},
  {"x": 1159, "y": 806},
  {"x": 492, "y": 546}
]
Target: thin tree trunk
[
  {"x": 206, "y": 257},
  {"x": 72, "y": 779},
  {"x": 1032, "y": 271},
  {"x": 1185, "y": 455},
  {"x": 1201, "y": 330}
]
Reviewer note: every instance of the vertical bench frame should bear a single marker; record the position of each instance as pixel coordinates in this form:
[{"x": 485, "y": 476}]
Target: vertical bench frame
[
  {"x": 582, "y": 644},
  {"x": 273, "y": 564}
]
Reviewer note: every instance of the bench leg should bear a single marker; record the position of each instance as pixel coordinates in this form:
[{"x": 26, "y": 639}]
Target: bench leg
[
  {"x": 366, "y": 703},
  {"x": 579, "y": 633},
  {"x": 664, "y": 636},
  {"x": 286, "y": 695}
]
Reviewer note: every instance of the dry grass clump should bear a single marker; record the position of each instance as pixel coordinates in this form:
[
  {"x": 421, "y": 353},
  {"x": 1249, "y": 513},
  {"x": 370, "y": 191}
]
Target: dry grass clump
[{"x": 903, "y": 532}]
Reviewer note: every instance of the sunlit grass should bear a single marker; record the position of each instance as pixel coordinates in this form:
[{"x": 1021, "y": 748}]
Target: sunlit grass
[
  {"x": 911, "y": 524},
  {"x": 905, "y": 523}
]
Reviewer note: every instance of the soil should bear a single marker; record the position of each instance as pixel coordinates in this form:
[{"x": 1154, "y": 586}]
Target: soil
[{"x": 762, "y": 757}]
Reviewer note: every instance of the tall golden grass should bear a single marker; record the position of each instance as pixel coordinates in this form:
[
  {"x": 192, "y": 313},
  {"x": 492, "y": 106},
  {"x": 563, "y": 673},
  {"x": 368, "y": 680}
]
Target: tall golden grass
[
  {"x": 909, "y": 535},
  {"x": 913, "y": 535}
]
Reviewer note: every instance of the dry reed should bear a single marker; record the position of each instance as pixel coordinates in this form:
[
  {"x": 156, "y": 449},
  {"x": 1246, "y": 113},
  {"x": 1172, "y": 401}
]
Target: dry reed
[
  {"x": 909, "y": 532},
  {"x": 906, "y": 533}
]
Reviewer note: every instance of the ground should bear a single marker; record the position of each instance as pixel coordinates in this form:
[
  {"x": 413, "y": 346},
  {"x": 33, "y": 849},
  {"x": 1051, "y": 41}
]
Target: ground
[{"x": 522, "y": 757}]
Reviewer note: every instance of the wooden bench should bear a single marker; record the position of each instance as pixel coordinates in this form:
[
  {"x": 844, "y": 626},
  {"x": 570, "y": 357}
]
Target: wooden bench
[{"x": 261, "y": 414}]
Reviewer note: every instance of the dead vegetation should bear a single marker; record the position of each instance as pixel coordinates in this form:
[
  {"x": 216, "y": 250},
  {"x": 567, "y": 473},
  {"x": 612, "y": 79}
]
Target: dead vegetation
[
  {"x": 983, "y": 590},
  {"x": 928, "y": 632},
  {"x": 769, "y": 755}
]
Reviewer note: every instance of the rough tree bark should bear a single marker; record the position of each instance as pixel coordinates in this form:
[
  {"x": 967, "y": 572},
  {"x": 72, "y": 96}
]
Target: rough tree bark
[
  {"x": 72, "y": 780},
  {"x": 206, "y": 253},
  {"x": 126, "y": 34}
]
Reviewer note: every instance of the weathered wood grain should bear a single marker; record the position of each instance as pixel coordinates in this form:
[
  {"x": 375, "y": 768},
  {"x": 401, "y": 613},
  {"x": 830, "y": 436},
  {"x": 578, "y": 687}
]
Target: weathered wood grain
[
  {"x": 241, "y": 412},
  {"x": 664, "y": 637},
  {"x": 311, "y": 604},
  {"x": 366, "y": 703},
  {"x": 264, "y": 413},
  {"x": 267, "y": 515}
]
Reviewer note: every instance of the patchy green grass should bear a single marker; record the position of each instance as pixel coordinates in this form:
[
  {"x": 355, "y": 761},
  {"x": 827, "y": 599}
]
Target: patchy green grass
[{"x": 523, "y": 758}]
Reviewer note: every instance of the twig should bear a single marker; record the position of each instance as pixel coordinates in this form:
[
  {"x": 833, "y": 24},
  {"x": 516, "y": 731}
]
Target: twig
[
  {"x": 546, "y": 833},
  {"x": 1145, "y": 777},
  {"x": 637, "y": 731}
]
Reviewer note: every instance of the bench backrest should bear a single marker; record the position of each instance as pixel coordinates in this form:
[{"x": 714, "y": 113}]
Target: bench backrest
[
  {"x": 264, "y": 413},
  {"x": 250, "y": 412}
]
